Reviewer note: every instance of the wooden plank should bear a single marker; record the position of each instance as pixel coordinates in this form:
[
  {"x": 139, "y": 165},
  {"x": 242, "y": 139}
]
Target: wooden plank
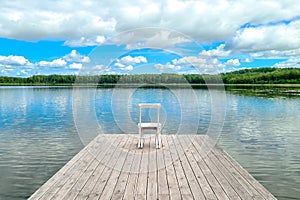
[
  {"x": 115, "y": 171},
  {"x": 56, "y": 177},
  {"x": 79, "y": 177},
  {"x": 162, "y": 183},
  {"x": 211, "y": 179},
  {"x": 152, "y": 173},
  {"x": 224, "y": 178},
  {"x": 204, "y": 185},
  {"x": 75, "y": 188},
  {"x": 185, "y": 191},
  {"x": 240, "y": 185},
  {"x": 171, "y": 176},
  {"x": 70, "y": 175},
  {"x": 89, "y": 185},
  {"x": 130, "y": 190},
  {"x": 142, "y": 182},
  {"x": 189, "y": 173},
  {"x": 120, "y": 187},
  {"x": 179, "y": 170},
  {"x": 80, "y": 189},
  {"x": 109, "y": 161},
  {"x": 257, "y": 190},
  {"x": 64, "y": 178},
  {"x": 231, "y": 178}
]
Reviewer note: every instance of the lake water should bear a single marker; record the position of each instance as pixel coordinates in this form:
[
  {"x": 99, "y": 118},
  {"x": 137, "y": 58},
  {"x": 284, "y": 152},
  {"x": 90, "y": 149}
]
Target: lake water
[{"x": 38, "y": 134}]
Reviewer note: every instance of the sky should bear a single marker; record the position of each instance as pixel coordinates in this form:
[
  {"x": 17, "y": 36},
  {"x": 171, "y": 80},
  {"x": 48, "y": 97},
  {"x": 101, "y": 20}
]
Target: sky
[{"x": 93, "y": 37}]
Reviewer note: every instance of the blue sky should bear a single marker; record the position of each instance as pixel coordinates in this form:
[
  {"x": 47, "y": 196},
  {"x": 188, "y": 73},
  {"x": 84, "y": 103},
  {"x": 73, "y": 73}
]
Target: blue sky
[{"x": 103, "y": 37}]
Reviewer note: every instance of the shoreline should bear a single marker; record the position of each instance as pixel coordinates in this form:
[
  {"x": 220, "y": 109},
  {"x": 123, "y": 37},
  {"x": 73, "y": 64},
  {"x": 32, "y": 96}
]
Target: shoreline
[{"x": 155, "y": 85}]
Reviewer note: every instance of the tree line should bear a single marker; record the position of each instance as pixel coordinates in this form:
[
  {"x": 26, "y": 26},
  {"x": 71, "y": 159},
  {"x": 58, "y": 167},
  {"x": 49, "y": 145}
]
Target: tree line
[{"x": 245, "y": 76}]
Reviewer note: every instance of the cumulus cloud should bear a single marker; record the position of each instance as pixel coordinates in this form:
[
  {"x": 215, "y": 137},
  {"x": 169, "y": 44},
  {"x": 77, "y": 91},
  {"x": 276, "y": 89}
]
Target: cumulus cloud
[
  {"x": 254, "y": 29},
  {"x": 14, "y": 60},
  {"x": 123, "y": 67},
  {"x": 100, "y": 69},
  {"x": 218, "y": 52},
  {"x": 84, "y": 41},
  {"x": 132, "y": 60},
  {"x": 278, "y": 37},
  {"x": 126, "y": 63},
  {"x": 23, "y": 72},
  {"x": 192, "y": 64},
  {"x": 128, "y": 68},
  {"x": 94, "y": 70},
  {"x": 120, "y": 65},
  {"x": 74, "y": 56},
  {"x": 233, "y": 62},
  {"x": 159, "y": 67},
  {"x": 189, "y": 60},
  {"x": 167, "y": 66},
  {"x": 276, "y": 54},
  {"x": 76, "y": 19},
  {"x": 75, "y": 66},
  {"x": 290, "y": 63},
  {"x": 21, "y": 66},
  {"x": 150, "y": 38},
  {"x": 57, "y": 63},
  {"x": 247, "y": 60}
]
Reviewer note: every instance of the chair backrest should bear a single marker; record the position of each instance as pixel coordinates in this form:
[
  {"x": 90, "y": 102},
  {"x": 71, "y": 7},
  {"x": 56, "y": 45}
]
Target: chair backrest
[{"x": 149, "y": 105}]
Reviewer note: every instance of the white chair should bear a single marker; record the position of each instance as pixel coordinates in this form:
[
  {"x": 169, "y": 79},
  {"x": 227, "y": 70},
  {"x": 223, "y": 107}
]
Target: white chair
[{"x": 149, "y": 125}]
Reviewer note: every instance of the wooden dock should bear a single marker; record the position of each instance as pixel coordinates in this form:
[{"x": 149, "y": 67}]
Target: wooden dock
[{"x": 112, "y": 167}]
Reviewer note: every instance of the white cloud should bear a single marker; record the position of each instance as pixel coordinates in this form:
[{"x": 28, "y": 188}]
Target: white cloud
[
  {"x": 132, "y": 60},
  {"x": 100, "y": 68},
  {"x": 23, "y": 72},
  {"x": 277, "y": 54},
  {"x": 58, "y": 63},
  {"x": 75, "y": 19},
  {"x": 218, "y": 52},
  {"x": 193, "y": 64},
  {"x": 126, "y": 63},
  {"x": 279, "y": 37},
  {"x": 120, "y": 65},
  {"x": 74, "y": 56},
  {"x": 95, "y": 70},
  {"x": 6, "y": 71},
  {"x": 75, "y": 66},
  {"x": 290, "y": 63},
  {"x": 84, "y": 41},
  {"x": 190, "y": 60},
  {"x": 128, "y": 68},
  {"x": 257, "y": 29},
  {"x": 150, "y": 38},
  {"x": 198, "y": 64},
  {"x": 123, "y": 67},
  {"x": 54, "y": 19},
  {"x": 247, "y": 60},
  {"x": 14, "y": 60},
  {"x": 167, "y": 66},
  {"x": 159, "y": 67},
  {"x": 233, "y": 62}
]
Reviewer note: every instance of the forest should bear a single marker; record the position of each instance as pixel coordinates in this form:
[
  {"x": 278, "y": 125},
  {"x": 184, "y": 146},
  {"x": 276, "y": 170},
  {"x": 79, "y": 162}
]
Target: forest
[{"x": 244, "y": 76}]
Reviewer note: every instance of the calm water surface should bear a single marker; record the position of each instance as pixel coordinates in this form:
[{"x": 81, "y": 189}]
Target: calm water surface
[{"x": 38, "y": 134}]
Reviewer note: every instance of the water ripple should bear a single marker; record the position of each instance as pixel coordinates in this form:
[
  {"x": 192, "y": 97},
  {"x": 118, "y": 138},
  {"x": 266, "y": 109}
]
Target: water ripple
[{"x": 37, "y": 134}]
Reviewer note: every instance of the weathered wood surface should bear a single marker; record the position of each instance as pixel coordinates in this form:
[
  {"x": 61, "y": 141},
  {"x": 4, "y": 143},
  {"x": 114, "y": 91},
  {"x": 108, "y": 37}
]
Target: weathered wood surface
[{"x": 112, "y": 167}]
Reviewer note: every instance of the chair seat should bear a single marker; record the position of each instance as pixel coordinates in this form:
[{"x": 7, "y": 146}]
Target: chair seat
[{"x": 149, "y": 125}]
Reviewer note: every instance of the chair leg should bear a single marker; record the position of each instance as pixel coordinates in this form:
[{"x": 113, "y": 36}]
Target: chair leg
[
  {"x": 158, "y": 139},
  {"x": 140, "y": 144},
  {"x": 141, "y": 141}
]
